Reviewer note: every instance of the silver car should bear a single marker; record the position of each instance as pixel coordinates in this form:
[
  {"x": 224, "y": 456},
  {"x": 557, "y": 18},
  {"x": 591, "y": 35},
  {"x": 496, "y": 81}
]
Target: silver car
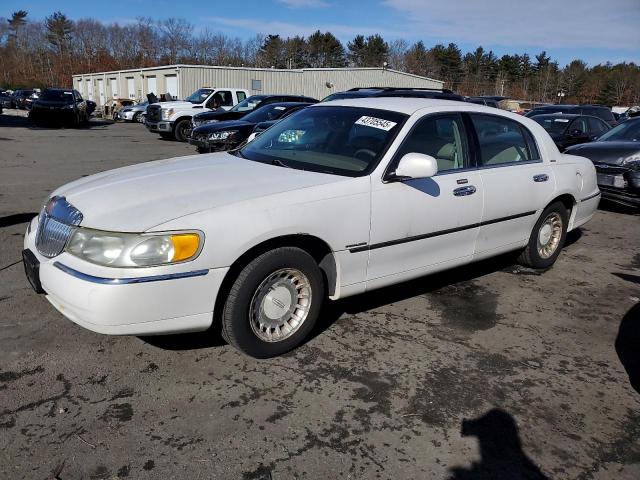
[{"x": 133, "y": 113}]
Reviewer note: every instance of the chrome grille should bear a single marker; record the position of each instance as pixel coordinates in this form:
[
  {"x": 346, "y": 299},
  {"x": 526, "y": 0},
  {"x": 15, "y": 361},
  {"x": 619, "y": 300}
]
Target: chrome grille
[{"x": 57, "y": 222}]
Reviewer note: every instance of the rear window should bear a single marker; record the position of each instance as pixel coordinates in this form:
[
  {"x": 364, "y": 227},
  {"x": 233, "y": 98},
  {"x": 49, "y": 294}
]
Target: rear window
[
  {"x": 502, "y": 141},
  {"x": 600, "y": 112}
]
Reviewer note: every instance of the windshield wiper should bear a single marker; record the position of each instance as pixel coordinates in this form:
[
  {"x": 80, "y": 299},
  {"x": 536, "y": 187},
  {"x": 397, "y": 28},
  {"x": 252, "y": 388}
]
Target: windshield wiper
[{"x": 279, "y": 163}]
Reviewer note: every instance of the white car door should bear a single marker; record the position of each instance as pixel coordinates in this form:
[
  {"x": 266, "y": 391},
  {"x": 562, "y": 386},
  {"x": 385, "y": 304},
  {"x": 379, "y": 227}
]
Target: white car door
[
  {"x": 517, "y": 184},
  {"x": 422, "y": 225}
]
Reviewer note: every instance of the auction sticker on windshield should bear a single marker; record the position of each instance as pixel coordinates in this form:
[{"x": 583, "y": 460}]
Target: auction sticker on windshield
[{"x": 374, "y": 122}]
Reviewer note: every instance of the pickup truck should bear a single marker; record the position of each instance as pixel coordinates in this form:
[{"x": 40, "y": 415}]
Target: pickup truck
[{"x": 173, "y": 119}]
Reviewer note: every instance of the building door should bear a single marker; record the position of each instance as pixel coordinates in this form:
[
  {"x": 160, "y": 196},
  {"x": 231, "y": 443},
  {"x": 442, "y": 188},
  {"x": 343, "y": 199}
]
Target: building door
[
  {"x": 172, "y": 85},
  {"x": 101, "y": 99},
  {"x": 114, "y": 87},
  {"x": 89, "y": 89},
  {"x": 152, "y": 85},
  {"x": 131, "y": 87}
]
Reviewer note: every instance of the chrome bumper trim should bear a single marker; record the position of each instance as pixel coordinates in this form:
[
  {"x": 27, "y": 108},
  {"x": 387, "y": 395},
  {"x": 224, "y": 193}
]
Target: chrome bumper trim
[{"x": 126, "y": 281}]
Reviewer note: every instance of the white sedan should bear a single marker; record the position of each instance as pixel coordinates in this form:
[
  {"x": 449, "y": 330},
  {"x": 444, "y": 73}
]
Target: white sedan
[{"x": 338, "y": 199}]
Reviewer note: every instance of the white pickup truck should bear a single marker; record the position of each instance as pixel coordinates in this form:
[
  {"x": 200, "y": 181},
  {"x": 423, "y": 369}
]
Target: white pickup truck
[{"x": 173, "y": 119}]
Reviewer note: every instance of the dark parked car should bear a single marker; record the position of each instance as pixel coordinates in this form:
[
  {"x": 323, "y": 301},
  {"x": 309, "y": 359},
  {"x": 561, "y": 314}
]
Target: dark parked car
[
  {"x": 226, "y": 135},
  {"x": 246, "y": 106},
  {"x": 600, "y": 111},
  {"x": 486, "y": 101},
  {"x": 567, "y": 129},
  {"x": 616, "y": 156},
  {"x": 5, "y": 100},
  {"x": 364, "y": 92},
  {"x": 19, "y": 98},
  {"x": 61, "y": 106}
]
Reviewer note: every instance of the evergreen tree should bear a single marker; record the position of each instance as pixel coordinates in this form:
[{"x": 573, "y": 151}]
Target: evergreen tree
[{"x": 325, "y": 50}]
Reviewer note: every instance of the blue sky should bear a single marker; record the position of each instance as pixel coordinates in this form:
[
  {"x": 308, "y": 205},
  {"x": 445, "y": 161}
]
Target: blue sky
[{"x": 594, "y": 30}]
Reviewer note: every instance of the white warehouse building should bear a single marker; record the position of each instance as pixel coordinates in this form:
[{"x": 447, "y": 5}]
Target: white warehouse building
[{"x": 182, "y": 80}]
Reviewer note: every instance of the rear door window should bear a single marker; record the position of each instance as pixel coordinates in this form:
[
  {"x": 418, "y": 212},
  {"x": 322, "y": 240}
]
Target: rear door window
[
  {"x": 597, "y": 126},
  {"x": 502, "y": 141}
]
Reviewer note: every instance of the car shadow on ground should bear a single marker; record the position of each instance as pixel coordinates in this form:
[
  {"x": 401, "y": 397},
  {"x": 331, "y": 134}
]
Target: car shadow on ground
[
  {"x": 628, "y": 345},
  {"x": 501, "y": 454},
  {"x": 609, "y": 206},
  {"x": 16, "y": 219},
  {"x": 333, "y": 310},
  {"x": 15, "y": 121}
]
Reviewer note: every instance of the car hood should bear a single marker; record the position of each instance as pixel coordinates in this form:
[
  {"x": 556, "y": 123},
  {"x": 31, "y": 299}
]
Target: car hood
[
  {"x": 178, "y": 105},
  {"x": 221, "y": 116},
  {"x": 222, "y": 125},
  {"x": 137, "y": 198},
  {"x": 612, "y": 153}
]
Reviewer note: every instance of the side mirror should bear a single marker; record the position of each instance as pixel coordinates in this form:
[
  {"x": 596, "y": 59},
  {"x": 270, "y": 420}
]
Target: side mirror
[{"x": 416, "y": 165}]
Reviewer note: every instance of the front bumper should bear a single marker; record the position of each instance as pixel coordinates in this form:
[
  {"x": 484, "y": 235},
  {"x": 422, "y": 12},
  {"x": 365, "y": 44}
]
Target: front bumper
[
  {"x": 621, "y": 196},
  {"x": 128, "y": 116},
  {"x": 159, "y": 127},
  {"x": 144, "y": 301}
]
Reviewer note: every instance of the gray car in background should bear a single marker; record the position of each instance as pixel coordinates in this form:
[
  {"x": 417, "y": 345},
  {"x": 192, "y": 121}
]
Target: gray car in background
[{"x": 133, "y": 113}]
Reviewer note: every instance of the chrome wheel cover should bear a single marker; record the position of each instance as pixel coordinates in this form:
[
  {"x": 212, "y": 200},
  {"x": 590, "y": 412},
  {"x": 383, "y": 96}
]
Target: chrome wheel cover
[
  {"x": 280, "y": 305},
  {"x": 549, "y": 235}
]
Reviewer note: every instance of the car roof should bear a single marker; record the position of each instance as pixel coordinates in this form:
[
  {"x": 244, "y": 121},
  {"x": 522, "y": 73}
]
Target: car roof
[
  {"x": 400, "y": 104},
  {"x": 561, "y": 115}
]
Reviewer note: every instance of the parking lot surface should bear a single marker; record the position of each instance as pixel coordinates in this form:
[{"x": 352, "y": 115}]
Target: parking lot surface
[{"x": 489, "y": 371}]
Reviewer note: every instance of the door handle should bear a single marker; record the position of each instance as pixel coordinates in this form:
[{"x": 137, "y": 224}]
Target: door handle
[
  {"x": 464, "y": 191},
  {"x": 543, "y": 177}
]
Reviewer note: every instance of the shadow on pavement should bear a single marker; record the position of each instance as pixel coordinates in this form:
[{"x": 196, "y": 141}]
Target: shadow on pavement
[
  {"x": 501, "y": 454},
  {"x": 15, "y": 121},
  {"x": 16, "y": 219},
  {"x": 628, "y": 345},
  {"x": 332, "y": 311}
]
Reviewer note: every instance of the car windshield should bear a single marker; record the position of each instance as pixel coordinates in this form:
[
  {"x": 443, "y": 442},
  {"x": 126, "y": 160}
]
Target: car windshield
[
  {"x": 333, "y": 139},
  {"x": 265, "y": 114},
  {"x": 552, "y": 124},
  {"x": 65, "y": 96},
  {"x": 199, "y": 96},
  {"x": 248, "y": 104},
  {"x": 628, "y": 131}
]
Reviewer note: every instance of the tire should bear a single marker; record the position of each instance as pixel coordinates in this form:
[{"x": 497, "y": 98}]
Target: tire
[
  {"x": 551, "y": 225},
  {"x": 166, "y": 135},
  {"x": 180, "y": 129},
  {"x": 264, "y": 289},
  {"x": 136, "y": 117}
]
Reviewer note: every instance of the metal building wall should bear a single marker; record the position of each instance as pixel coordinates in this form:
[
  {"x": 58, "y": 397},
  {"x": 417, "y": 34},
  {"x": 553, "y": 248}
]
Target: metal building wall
[{"x": 310, "y": 82}]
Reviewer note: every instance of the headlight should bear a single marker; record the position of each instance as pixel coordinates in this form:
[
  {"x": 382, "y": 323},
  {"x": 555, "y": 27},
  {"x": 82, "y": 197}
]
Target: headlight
[
  {"x": 166, "y": 113},
  {"x": 114, "y": 249},
  {"x": 222, "y": 135}
]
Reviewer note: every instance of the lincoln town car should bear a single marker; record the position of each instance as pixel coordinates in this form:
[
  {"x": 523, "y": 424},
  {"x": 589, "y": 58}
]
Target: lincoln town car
[{"x": 340, "y": 198}]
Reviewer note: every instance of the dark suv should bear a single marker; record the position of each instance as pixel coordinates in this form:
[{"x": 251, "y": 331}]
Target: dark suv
[
  {"x": 601, "y": 111},
  {"x": 363, "y": 92}
]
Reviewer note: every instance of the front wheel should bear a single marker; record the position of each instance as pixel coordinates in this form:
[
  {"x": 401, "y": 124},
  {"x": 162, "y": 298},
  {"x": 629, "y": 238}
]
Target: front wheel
[
  {"x": 274, "y": 303},
  {"x": 547, "y": 237},
  {"x": 137, "y": 117},
  {"x": 181, "y": 129}
]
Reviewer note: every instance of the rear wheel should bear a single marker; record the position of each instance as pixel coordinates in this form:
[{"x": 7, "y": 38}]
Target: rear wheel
[
  {"x": 547, "y": 238},
  {"x": 274, "y": 302},
  {"x": 181, "y": 129}
]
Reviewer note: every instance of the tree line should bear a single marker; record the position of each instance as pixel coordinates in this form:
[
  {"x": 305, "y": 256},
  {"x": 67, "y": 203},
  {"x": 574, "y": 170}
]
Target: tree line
[{"x": 45, "y": 53}]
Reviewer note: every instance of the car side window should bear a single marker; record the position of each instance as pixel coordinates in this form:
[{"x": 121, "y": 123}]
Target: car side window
[
  {"x": 597, "y": 126},
  {"x": 579, "y": 124},
  {"x": 78, "y": 96},
  {"x": 241, "y": 96},
  {"x": 502, "y": 140},
  {"x": 443, "y": 137},
  {"x": 227, "y": 99}
]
